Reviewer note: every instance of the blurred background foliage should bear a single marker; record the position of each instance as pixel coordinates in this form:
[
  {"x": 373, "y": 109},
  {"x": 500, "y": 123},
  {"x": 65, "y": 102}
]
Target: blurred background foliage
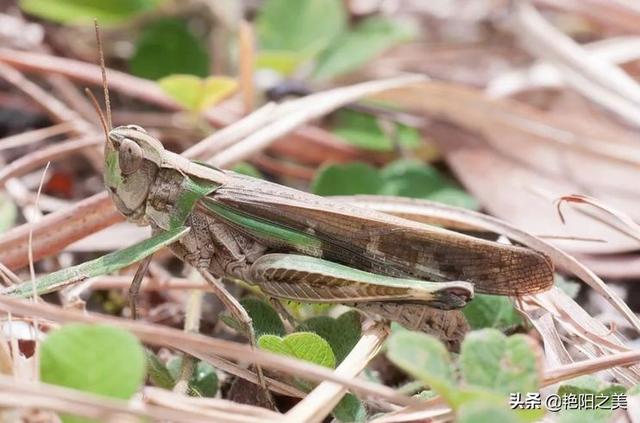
[
  {"x": 307, "y": 40},
  {"x": 193, "y": 50}
]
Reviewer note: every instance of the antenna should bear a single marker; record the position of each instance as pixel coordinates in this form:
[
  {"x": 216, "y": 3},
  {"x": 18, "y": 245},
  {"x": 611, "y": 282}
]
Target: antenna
[
  {"x": 103, "y": 68},
  {"x": 96, "y": 106}
]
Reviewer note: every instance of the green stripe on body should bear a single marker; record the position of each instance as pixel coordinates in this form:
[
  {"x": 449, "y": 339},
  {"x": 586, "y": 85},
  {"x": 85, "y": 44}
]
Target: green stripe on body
[
  {"x": 263, "y": 229},
  {"x": 191, "y": 192}
]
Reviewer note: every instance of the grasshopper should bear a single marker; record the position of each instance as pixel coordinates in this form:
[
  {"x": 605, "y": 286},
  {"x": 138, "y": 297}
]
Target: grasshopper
[{"x": 299, "y": 246}]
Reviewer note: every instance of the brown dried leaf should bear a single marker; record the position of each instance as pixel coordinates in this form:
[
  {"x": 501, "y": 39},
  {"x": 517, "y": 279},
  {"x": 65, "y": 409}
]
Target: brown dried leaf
[{"x": 516, "y": 160}]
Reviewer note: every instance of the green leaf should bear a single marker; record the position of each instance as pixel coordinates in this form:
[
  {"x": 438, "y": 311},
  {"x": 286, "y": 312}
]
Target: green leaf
[
  {"x": 233, "y": 324},
  {"x": 247, "y": 169},
  {"x": 569, "y": 287},
  {"x": 490, "y": 360},
  {"x": 491, "y": 311},
  {"x": 453, "y": 196},
  {"x": 588, "y": 386},
  {"x": 302, "y": 26},
  {"x": 411, "y": 178},
  {"x": 581, "y": 385},
  {"x": 266, "y": 320},
  {"x": 93, "y": 358},
  {"x": 198, "y": 94},
  {"x": 8, "y": 213},
  {"x": 85, "y": 11},
  {"x": 342, "y": 333},
  {"x": 355, "y": 48},
  {"x": 363, "y": 130},
  {"x": 216, "y": 89},
  {"x": 467, "y": 396},
  {"x": 486, "y": 412},
  {"x": 158, "y": 372},
  {"x": 303, "y": 345},
  {"x": 283, "y": 62},
  {"x": 185, "y": 89},
  {"x": 167, "y": 47},
  {"x": 407, "y": 178},
  {"x": 634, "y": 390},
  {"x": 425, "y": 358},
  {"x": 350, "y": 409},
  {"x": 347, "y": 179},
  {"x": 302, "y": 311},
  {"x": 275, "y": 344},
  {"x": 311, "y": 347},
  {"x": 203, "y": 382}
]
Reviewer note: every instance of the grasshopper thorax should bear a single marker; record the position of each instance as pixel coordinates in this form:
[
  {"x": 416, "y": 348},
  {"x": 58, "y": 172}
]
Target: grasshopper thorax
[{"x": 132, "y": 161}]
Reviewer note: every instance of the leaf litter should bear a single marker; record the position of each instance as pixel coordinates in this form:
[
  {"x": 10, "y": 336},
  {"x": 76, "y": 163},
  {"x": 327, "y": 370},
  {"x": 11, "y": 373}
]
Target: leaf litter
[{"x": 569, "y": 137}]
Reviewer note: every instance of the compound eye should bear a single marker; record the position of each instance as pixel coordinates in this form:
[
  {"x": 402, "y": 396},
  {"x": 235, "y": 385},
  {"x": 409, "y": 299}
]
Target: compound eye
[
  {"x": 129, "y": 157},
  {"x": 137, "y": 128}
]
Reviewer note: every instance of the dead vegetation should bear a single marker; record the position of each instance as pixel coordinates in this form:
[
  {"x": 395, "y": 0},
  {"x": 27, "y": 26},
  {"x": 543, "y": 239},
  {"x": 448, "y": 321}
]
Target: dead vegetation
[{"x": 533, "y": 107}]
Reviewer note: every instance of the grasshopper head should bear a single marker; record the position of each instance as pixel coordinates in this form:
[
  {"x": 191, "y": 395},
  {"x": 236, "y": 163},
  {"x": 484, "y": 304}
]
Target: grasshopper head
[{"x": 132, "y": 161}]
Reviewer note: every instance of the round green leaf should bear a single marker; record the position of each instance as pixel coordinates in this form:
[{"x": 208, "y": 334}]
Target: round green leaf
[
  {"x": 185, "y": 89},
  {"x": 301, "y": 26},
  {"x": 347, "y": 179},
  {"x": 589, "y": 385},
  {"x": 489, "y": 359},
  {"x": 216, "y": 89},
  {"x": 350, "y": 409},
  {"x": 363, "y": 130},
  {"x": 197, "y": 94},
  {"x": 355, "y": 48},
  {"x": 265, "y": 319},
  {"x": 203, "y": 382},
  {"x": 85, "y": 11},
  {"x": 167, "y": 47},
  {"x": 303, "y": 345},
  {"x": 454, "y": 197},
  {"x": 342, "y": 333},
  {"x": 247, "y": 169},
  {"x": 311, "y": 347},
  {"x": 411, "y": 178},
  {"x": 93, "y": 358},
  {"x": 275, "y": 344},
  {"x": 425, "y": 358},
  {"x": 283, "y": 62},
  {"x": 491, "y": 311}
]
